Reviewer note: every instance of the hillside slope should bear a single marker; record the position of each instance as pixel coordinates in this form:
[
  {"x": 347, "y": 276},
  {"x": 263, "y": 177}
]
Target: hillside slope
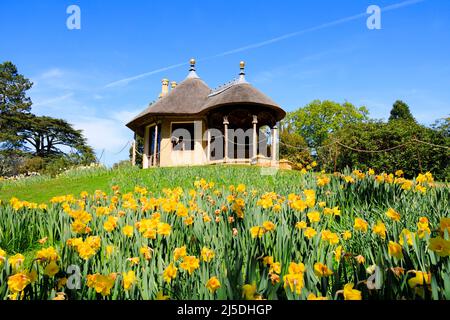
[{"x": 43, "y": 189}]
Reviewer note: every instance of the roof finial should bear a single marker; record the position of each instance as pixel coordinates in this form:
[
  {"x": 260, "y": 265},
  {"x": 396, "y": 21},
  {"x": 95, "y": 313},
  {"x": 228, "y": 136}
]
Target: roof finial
[
  {"x": 242, "y": 73},
  {"x": 192, "y": 73},
  {"x": 192, "y": 62}
]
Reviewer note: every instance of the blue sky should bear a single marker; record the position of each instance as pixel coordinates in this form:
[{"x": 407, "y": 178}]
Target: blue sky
[{"x": 99, "y": 77}]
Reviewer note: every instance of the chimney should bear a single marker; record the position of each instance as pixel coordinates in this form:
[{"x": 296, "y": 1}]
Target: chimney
[
  {"x": 173, "y": 84},
  {"x": 165, "y": 87}
]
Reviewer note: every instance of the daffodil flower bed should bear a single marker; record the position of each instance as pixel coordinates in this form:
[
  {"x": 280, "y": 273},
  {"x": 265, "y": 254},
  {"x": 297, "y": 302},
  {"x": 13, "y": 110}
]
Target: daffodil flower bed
[{"x": 348, "y": 236}]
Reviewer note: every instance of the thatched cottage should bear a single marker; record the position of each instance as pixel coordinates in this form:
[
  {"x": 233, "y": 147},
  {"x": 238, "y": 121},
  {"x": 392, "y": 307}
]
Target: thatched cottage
[{"x": 190, "y": 124}]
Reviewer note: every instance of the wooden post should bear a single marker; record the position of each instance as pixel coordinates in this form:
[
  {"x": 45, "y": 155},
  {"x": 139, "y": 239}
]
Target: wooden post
[
  {"x": 208, "y": 146},
  {"x": 274, "y": 143},
  {"x": 155, "y": 147},
  {"x": 226, "y": 123},
  {"x": 133, "y": 155},
  {"x": 146, "y": 147},
  {"x": 255, "y": 138}
]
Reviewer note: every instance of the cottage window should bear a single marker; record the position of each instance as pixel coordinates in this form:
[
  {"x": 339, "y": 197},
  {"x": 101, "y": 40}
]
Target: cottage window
[{"x": 183, "y": 136}]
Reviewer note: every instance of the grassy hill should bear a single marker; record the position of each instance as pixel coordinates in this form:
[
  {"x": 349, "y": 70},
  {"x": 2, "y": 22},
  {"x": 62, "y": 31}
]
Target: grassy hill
[
  {"x": 283, "y": 236},
  {"x": 42, "y": 189}
]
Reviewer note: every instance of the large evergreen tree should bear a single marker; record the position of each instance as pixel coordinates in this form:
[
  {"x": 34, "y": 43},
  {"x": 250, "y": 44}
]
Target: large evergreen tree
[
  {"x": 400, "y": 111},
  {"x": 47, "y": 137},
  {"x": 14, "y": 105},
  {"x": 25, "y": 137}
]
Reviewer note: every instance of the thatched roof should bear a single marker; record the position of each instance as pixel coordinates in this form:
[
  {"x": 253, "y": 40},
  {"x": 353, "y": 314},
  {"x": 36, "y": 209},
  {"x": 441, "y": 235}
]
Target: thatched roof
[
  {"x": 194, "y": 97},
  {"x": 244, "y": 94}
]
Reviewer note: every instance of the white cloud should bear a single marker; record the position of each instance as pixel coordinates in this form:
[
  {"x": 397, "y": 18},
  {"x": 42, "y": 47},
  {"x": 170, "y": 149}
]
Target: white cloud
[
  {"x": 395, "y": 6},
  {"x": 52, "y": 74},
  {"x": 103, "y": 133},
  {"x": 52, "y": 101},
  {"x": 72, "y": 95},
  {"x": 126, "y": 116}
]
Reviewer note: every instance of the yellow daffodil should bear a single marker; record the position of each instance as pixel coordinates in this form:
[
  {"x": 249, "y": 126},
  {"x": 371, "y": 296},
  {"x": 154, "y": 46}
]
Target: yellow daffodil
[
  {"x": 101, "y": 283},
  {"x": 190, "y": 264},
  {"x": 47, "y": 254},
  {"x": 420, "y": 279},
  {"x": 16, "y": 261},
  {"x": 275, "y": 268},
  {"x": 170, "y": 273},
  {"x": 360, "y": 259},
  {"x": 146, "y": 252},
  {"x": 361, "y": 225},
  {"x": 408, "y": 235},
  {"x": 314, "y": 216},
  {"x": 51, "y": 269},
  {"x": 395, "y": 250},
  {"x": 18, "y": 282},
  {"x": 60, "y": 296},
  {"x": 213, "y": 284},
  {"x": 380, "y": 229},
  {"x": 160, "y": 296},
  {"x": 257, "y": 231},
  {"x": 440, "y": 246},
  {"x": 249, "y": 291},
  {"x": 128, "y": 231},
  {"x": 393, "y": 215},
  {"x": 310, "y": 232},
  {"x": 346, "y": 235},
  {"x": 338, "y": 253},
  {"x": 164, "y": 229},
  {"x": 322, "y": 270},
  {"x": 110, "y": 224},
  {"x": 269, "y": 226},
  {"x": 207, "y": 254},
  {"x": 2, "y": 256},
  {"x": 294, "y": 279},
  {"x": 179, "y": 253},
  {"x": 444, "y": 225},
  {"x": 330, "y": 237},
  {"x": 312, "y": 296},
  {"x": 350, "y": 293},
  {"x": 296, "y": 268},
  {"x": 129, "y": 279},
  {"x": 301, "y": 225}
]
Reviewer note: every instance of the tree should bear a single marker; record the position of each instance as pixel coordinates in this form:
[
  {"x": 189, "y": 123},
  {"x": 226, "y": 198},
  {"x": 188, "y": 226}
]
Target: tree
[
  {"x": 400, "y": 111},
  {"x": 14, "y": 105},
  {"x": 442, "y": 126},
  {"x": 317, "y": 120},
  {"x": 139, "y": 150},
  {"x": 401, "y": 150},
  {"x": 29, "y": 142},
  {"x": 294, "y": 148},
  {"x": 47, "y": 137}
]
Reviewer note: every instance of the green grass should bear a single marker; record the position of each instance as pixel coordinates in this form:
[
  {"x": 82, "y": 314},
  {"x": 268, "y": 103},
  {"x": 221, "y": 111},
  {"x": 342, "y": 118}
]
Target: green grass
[
  {"x": 232, "y": 216},
  {"x": 41, "y": 190}
]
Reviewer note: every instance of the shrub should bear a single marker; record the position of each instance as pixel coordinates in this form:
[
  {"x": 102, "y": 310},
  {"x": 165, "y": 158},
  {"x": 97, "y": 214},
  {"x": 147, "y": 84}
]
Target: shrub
[
  {"x": 294, "y": 148},
  {"x": 34, "y": 164},
  {"x": 412, "y": 157}
]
